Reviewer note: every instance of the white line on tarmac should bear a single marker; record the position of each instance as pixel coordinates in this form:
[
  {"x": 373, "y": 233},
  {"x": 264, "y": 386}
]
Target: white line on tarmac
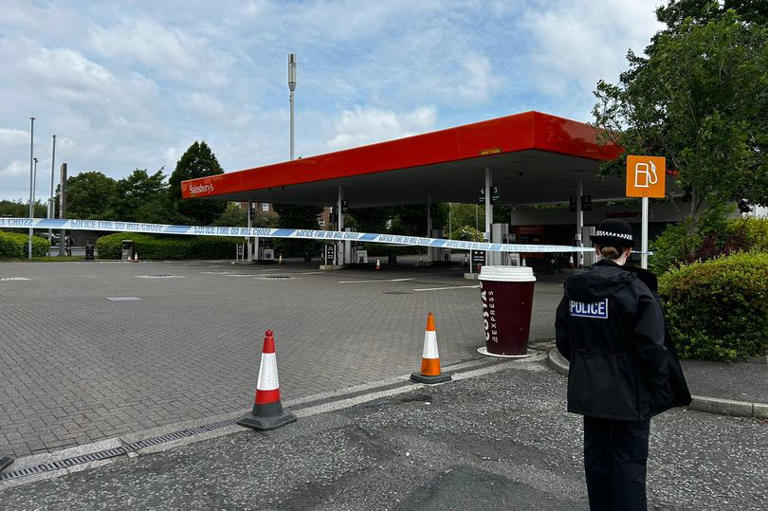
[
  {"x": 449, "y": 287},
  {"x": 374, "y": 280},
  {"x": 313, "y": 272}
]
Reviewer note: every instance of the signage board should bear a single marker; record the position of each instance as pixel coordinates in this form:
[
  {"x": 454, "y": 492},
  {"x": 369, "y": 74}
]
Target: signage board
[
  {"x": 586, "y": 203},
  {"x": 645, "y": 176},
  {"x": 495, "y": 195},
  {"x": 478, "y": 259}
]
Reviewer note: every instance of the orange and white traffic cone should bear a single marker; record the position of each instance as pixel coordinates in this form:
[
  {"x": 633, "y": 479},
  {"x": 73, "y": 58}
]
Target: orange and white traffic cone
[
  {"x": 378, "y": 263},
  {"x": 135, "y": 257},
  {"x": 267, "y": 411},
  {"x": 430, "y": 359}
]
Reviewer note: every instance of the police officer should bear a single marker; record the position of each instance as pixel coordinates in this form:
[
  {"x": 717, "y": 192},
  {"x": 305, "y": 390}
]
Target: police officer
[{"x": 623, "y": 367}]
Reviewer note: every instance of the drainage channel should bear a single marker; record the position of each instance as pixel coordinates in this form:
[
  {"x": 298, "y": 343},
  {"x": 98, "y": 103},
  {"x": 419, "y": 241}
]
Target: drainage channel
[
  {"x": 468, "y": 366},
  {"x": 114, "y": 452}
]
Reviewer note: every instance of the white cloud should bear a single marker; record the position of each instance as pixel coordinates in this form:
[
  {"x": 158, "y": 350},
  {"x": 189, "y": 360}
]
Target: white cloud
[
  {"x": 16, "y": 168},
  {"x": 368, "y": 125},
  {"x": 167, "y": 52},
  {"x": 581, "y": 42},
  {"x": 11, "y": 137},
  {"x": 478, "y": 84}
]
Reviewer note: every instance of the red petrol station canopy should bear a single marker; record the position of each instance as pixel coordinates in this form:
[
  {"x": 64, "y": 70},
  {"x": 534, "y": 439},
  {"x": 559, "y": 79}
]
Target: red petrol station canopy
[{"x": 534, "y": 157}]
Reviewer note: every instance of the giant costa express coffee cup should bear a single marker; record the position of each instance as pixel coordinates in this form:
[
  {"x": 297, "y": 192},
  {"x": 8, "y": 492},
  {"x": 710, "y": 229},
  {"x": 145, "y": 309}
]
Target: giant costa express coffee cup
[{"x": 507, "y": 296}]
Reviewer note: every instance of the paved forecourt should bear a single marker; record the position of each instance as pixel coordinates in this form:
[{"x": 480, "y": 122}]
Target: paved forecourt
[{"x": 183, "y": 339}]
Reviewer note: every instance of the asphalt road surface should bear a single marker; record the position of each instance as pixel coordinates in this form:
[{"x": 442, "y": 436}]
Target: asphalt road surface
[{"x": 496, "y": 441}]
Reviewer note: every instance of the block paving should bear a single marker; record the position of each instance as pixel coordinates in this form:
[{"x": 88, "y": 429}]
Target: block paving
[{"x": 76, "y": 367}]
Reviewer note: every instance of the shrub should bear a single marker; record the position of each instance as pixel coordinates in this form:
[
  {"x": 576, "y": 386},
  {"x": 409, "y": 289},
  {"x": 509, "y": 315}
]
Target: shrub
[
  {"x": 15, "y": 245},
  {"x": 167, "y": 247},
  {"x": 718, "y": 309},
  {"x": 715, "y": 238},
  {"x": 467, "y": 233}
]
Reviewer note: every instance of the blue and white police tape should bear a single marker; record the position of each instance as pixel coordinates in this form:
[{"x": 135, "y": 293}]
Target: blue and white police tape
[{"x": 266, "y": 232}]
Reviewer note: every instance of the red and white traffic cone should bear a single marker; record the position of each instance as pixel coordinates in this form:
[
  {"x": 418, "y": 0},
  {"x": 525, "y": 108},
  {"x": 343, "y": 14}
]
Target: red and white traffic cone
[
  {"x": 378, "y": 263},
  {"x": 135, "y": 257},
  {"x": 267, "y": 411},
  {"x": 430, "y": 359}
]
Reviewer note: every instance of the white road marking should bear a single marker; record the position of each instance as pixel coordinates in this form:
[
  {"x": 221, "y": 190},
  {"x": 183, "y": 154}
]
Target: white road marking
[
  {"x": 375, "y": 280},
  {"x": 449, "y": 287}
]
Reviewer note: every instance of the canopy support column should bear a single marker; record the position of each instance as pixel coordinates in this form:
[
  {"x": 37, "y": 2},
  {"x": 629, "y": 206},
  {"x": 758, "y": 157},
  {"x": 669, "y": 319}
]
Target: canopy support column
[
  {"x": 248, "y": 239},
  {"x": 340, "y": 255},
  {"x": 429, "y": 215},
  {"x": 492, "y": 258},
  {"x": 579, "y": 221}
]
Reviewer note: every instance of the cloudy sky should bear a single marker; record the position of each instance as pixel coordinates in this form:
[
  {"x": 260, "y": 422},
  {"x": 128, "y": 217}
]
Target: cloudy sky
[{"x": 128, "y": 85}]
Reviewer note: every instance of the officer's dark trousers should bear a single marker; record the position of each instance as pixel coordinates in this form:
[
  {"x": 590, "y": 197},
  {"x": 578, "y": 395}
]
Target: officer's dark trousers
[{"x": 615, "y": 455}]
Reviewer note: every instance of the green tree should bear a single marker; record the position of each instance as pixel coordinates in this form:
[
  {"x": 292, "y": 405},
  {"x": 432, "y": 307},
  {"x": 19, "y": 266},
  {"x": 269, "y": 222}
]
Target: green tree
[
  {"x": 233, "y": 216},
  {"x": 197, "y": 161},
  {"x": 297, "y": 216},
  {"x": 138, "y": 197},
  {"x": 467, "y": 215},
  {"x": 88, "y": 194},
  {"x": 236, "y": 216},
  {"x": 411, "y": 220},
  {"x": 702, "y": 12},
  {"x": 370, "y": 219},
  {"x": 20, "y": 209},
  {"x": 700, "y": 98}
]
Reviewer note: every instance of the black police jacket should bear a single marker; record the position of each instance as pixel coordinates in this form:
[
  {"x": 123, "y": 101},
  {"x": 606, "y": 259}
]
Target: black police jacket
[{"x": 611, "y": 328}]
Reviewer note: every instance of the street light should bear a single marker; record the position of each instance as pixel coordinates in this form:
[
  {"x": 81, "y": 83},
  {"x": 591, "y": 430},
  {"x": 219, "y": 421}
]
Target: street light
[
  {"x": 31, "y": 181},
  {"x": 51, "y": 203},
  {"x": 292, "y": 88}
]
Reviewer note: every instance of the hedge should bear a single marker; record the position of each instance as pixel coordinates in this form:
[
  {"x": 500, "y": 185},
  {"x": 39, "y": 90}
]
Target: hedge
[
  {"x": 151, "y": 247},
  {"x": 718, "y": 309},
  {"x": 15, "y": 245},
  {"x": 715, "y": 237}
]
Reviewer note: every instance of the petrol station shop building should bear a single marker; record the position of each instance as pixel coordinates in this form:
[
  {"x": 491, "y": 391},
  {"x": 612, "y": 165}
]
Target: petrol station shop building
[{"x": 530, "y": 158}]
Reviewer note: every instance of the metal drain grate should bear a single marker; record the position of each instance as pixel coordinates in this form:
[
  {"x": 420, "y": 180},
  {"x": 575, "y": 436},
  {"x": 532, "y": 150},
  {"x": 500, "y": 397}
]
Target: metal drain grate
[
  {"x": 215, "y": 272},
  {"x": 160, "y": 276},
  {"x": 14, "y": 278},
  {"x": 275, "y": 277},
  {"x": 239, "y": 274},
  {"x": 114, "y": 452}
]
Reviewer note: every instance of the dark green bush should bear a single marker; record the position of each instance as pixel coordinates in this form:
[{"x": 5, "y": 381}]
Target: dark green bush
[
  {"x": 15, "y": 245},
  {"x": 167, "y": 247},
  {"x": 718, "y": 309}
]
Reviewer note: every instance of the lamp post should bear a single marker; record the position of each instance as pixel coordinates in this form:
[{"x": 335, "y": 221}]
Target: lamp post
[
  {"x": 51, "y": 202},
  {"x": 291, "y": 88},
  {"x": 31, "y": 181},
  {"x": 34, "y": 183}
]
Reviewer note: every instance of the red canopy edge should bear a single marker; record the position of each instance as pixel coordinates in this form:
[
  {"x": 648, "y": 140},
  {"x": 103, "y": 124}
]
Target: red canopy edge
[{"x": 529, "y": 130}]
